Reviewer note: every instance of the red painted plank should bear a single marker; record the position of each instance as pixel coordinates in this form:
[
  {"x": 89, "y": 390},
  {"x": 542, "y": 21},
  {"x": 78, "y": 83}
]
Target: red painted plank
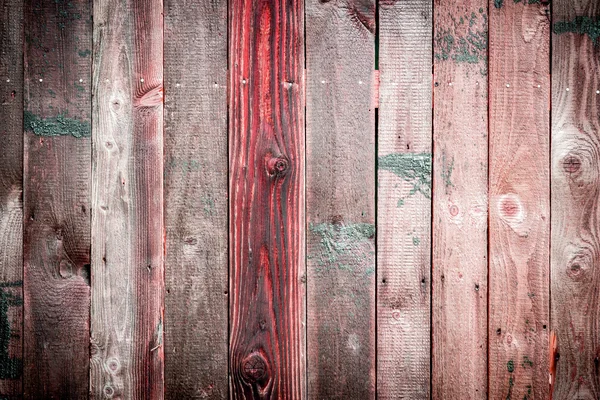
[
  {"x": 519, "y": 200},
  {"x": 575, "y": 241},
  {"x": 127, "y": 201},
  {"x": 11, "y": 195},
  {"x": 459, "y": 304},
  {"x": 56, "y": 198},
  {"x": 196, "y": 199},
  {"x": 266, "y": 208},
  {"x": 404, "y": 200},
  {"x": 340, "y": 190}
]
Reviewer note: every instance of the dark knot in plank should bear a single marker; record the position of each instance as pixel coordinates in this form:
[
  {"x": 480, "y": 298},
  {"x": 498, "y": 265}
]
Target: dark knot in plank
[
  {"x": 571, "y": 164},
  {"x": 254, "y": 367}
]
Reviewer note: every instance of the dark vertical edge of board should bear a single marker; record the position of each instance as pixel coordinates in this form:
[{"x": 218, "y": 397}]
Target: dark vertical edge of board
[
  {"x": 519, "y": 211},
  {"x": 575, "y": 170},
  {"x": 404, "y": 200},
  {"x": 266, "y": 204},
  {"x": 460, "y": 203},
  {"x": 127, "y": 353},
  {"x": 56, "y": 172},
  {"x": 195, "y": 179},
  {"x": 11, "y": 198},
  {"x": 341, "y": 342}
]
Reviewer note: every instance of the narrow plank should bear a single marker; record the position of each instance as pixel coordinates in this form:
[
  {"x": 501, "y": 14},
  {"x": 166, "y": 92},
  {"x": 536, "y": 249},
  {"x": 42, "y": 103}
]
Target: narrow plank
[
  {"x": 340, "y": 189},
  {"x": 575, "y": 242},
  {"x": 459, "y": 303},
  {"x": 519, "y": 181},
  {"x": 56, "y": 172},
  {"x": 11, "y": 194},
  {"x": 404, "y": 200},
  {"x": 266, "y": 208},
  {"x": 196, "y": 199},
  {"x": 127, "y": 201}
]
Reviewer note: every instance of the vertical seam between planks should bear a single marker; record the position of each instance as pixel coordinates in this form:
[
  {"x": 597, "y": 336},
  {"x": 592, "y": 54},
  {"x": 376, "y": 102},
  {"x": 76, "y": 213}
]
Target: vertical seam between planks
[
  {"x": 228, "y": 185},
  {"x": 91, "y": 185},
  {"x": 487, "y": 331},
  {"x": 432, "y": 202},
  {"x": 164, "y": 216},
  {"x": 305, "y": 84},
  {"x": 550, "y": 46},
  {"x": 23, "y": 218},
  {"x": 376, "y": 212}
]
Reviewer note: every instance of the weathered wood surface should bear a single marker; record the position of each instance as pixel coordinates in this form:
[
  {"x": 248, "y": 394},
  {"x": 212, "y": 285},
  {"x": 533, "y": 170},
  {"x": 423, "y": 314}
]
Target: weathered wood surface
[
  {"x": 404, "y": 200},
  {"x": 575, "y": 197},
  {"x": 519, "y": 195},
  {"x": 459, "y": 303},
  {"x": 195, "y": 174},
  {"x": 266, "y": 209},
  {"x": 127, "y": 201},
  {"x": 341, "y": 199},
  {"x": 56, "y": 179},
  {"x": 11, "y": 198}
]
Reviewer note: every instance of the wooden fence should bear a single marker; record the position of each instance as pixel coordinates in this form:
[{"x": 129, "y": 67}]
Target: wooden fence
[{"x": 321, "y": 199}]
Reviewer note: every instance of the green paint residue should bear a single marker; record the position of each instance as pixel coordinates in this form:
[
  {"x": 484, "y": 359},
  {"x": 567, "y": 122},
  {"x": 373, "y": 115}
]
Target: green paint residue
[
  {"x": 526, "y": 362},
  {"x": 498, "y": 3},
  {"x": 84, "y": 53},
  {"x": 580, "y": 25},
  {"x": 61, "y": 125},
  {"x": 414, "y": 168},
  {"x": 447, "y": 171},
  {"x": 10, "y": 367},
  {"x": 209, "y": 205},
  {"x": 343, "y": 247},
  {"x": 416, "y": 240},
  {"x": 510, "y": 366},
  {"x": 468, "y": 47}
]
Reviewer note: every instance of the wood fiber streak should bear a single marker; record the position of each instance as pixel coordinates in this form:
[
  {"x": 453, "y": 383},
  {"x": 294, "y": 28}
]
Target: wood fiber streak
[
  {"x": 341, "y": 199},
  {"x": 519, "y": 201},
  {"x": 11, "y": 192},
  {"x": 459, "y": 303},
  {"x": 195, "y": 175},
  {"x": 127, "y": 201},
  {"x": 404, "y": 200},
  {"x": 56, "y": 180},
  {"x": 266, "y": 158},
  {"x": 575, "y": 240}
]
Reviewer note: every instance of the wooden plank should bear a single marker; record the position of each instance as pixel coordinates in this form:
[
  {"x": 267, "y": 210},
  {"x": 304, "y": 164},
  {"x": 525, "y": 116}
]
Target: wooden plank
[
  {"x": 575, "y": 197},
  {"x": 127, "y": 201},
  {"x": 266, "y": 209},
  {"x": 519, "y": 181},
  {"x": 11, "y": 195},
  {"x": 340, "y": 161},
  {"x": 196, "y": 199},
  {"x": 404, "y": 200},
  {"x": 56, "y": 247},
  {"x": 459, "y": 303}
]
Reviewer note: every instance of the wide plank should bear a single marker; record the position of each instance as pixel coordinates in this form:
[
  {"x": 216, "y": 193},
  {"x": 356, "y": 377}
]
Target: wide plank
[
  {"x": 11, "y": 198},
  {"x": 340, "y": 191},
  {"x": 56, "y": 180},
  {"x": 519, "y": 175},
  {"x": 575, "y": 239},
  {"x": 127, "y": 201},
  {"x": 404, "y": 200},
  {"x": 195, "y": 179},
  {"x": 266, "y": 199},
  {"x": 460, "y": 158}
]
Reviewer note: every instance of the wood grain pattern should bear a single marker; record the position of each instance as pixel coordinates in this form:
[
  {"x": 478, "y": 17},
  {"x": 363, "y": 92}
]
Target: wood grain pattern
[
  {"x": 127, "y": 201},
  {"x": 404, "y": 200},
  {"x": 56, "y": 248},
  {"x": 195, "y": 176},
  {"x": 11, "y": 198},
  {"x": 575, "y": 173},
  {"x": 459, "y": 303},
  {"x": 519, "y": 208},
  {"x": 340, "y": 199},
  {"x": 266, "y": 208}
]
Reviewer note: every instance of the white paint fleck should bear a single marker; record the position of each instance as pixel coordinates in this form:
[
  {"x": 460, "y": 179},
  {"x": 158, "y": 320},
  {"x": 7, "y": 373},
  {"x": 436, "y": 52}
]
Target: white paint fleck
[
  {"x": 177, "y": 84},
  {"x": 41, "y": 80},
  {"x": 8, "y": 80},
  {"x": 539, "y": 86},
  {"x": 360, "y": 82},
  {"x": 568, "y": 89},
  {"x": 353, "y": 342},
  {"x": 81, "y": 80},
  {"x": 142, "y": 80},
  {"x": 322, "y": 81},
  {"x": 508, "y": 85}
]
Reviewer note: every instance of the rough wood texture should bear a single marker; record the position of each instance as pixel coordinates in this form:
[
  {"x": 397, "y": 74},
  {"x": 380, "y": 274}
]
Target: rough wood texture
[
  {"x": 11, "y": 203},
  {"x": 341, "y": 199},
  {"x": 459, "y": 304},
  {"x": 266, "y": 155},
  {"x": 56, "y": 199},
  {"x": 404, "y": 200},
  {"x": 127, "y": 201},
  {"x": 519, "y": 207},
  {"x": 575, "y": 173},
  {"x": 196, "y": 199}
]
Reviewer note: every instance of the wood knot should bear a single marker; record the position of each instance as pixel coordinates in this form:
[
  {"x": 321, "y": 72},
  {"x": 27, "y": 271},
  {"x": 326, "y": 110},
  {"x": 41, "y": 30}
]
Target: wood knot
[
  {"x": 254, "y": 367},
  {"x": 571, "y": 164},
  {"x": 277, "y": 166}
]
